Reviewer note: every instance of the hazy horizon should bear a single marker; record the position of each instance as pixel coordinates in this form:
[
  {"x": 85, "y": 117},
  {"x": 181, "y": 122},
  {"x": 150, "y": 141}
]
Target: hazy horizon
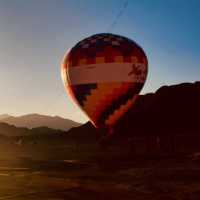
[{"x": 35, "y": 35}]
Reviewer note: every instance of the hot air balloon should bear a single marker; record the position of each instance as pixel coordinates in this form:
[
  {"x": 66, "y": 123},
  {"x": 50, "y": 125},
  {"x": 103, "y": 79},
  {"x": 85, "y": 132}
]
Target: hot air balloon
[{"x": 104, "y": 74}]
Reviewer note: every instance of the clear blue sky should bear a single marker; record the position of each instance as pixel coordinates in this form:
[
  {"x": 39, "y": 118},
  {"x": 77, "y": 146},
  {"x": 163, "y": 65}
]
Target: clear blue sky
[{"x": 35, "y": 34}]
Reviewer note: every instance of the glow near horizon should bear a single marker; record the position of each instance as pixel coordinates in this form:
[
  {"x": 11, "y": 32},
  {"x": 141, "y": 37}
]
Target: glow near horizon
[{"x": 35, "y": 35}]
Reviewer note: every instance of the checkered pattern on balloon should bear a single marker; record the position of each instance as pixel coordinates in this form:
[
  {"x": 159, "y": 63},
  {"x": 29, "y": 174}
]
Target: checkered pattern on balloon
[{"x": 105, "y": 102}]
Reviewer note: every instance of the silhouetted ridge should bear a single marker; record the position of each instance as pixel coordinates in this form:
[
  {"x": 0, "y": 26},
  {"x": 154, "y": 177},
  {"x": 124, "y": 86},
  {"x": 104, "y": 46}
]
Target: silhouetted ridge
[{"x": 170, "y": 108}]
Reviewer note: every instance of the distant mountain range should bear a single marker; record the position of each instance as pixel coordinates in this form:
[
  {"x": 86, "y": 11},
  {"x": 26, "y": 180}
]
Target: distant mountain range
[{"x": 36, "y": 120}]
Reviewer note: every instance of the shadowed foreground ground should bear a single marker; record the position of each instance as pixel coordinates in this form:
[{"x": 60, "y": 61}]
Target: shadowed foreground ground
[{"x": 32, "y": 172}]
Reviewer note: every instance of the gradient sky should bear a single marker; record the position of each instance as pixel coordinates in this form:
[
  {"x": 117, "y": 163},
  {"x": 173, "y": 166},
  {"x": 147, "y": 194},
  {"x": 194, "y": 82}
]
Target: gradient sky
[{"x": 35, "y": 34}]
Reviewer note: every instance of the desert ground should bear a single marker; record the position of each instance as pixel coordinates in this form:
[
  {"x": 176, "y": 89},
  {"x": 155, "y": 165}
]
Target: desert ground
[{"x": 43, "y": 171}]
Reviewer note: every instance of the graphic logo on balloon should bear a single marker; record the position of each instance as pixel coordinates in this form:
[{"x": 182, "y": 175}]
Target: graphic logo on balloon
[{"x": 104, "y": 74}]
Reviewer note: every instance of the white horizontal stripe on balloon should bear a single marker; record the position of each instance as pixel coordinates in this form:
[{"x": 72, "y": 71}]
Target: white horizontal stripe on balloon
[{"x": 107, "y": 72}]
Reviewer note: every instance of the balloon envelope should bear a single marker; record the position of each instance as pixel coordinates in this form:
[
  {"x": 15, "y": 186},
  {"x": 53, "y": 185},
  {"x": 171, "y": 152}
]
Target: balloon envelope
[{"x": 104, "y": 74}]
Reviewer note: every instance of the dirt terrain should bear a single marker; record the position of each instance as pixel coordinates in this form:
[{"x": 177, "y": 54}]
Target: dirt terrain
[{"x": 38, "y": 171}]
